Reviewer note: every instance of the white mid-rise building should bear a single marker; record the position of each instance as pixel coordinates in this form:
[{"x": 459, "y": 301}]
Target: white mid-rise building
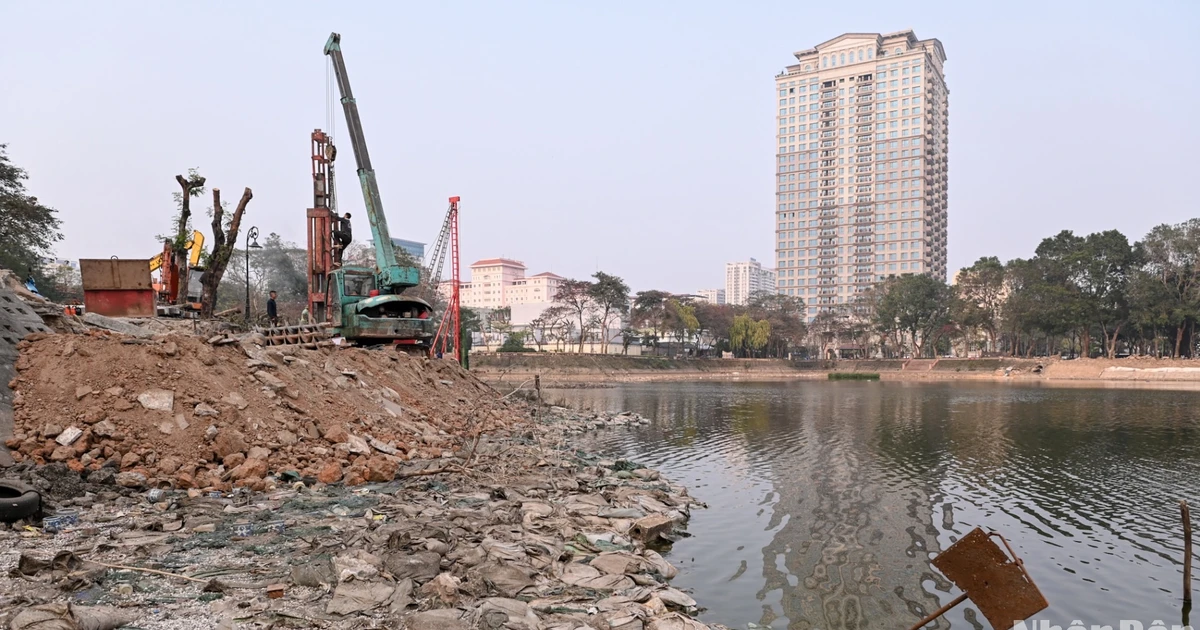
[
  {"x": 712, "y": 296},
  {"x": 500, "y": 282},
  {"x": 744, "y": 279}
]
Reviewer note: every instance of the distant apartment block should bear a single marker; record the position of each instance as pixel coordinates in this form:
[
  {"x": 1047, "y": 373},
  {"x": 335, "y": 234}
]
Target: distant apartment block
[
  {"x": 500, "y": 282},
  {"x": 712, "y": 296},
  {"x": 861, "y": 181},
  {"x": 744, "y": 279}
]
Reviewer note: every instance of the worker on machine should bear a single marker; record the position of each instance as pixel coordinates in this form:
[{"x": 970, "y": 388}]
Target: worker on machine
[{"x": 341, "y": 238}]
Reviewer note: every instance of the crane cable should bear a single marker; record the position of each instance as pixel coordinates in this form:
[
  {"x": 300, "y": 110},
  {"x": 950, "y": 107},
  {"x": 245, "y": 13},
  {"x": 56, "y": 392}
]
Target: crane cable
[{"x": 330, "y": 121}]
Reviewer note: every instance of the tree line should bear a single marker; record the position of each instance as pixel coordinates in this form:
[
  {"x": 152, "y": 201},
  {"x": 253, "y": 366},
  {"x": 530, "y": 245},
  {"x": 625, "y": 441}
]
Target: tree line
[{"x": 1093, "y": 295}]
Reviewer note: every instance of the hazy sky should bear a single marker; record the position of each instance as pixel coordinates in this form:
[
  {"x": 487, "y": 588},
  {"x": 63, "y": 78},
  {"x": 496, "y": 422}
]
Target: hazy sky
[{"x": 632, "y": 137}]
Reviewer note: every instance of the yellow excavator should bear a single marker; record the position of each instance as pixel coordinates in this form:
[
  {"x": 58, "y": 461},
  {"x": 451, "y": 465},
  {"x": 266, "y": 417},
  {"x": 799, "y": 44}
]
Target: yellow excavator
[{"x": 167, "y": 286}]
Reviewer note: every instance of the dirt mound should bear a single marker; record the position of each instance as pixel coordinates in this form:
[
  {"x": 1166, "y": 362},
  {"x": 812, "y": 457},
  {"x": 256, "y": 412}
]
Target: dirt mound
[{"x": 176, "y": 409}]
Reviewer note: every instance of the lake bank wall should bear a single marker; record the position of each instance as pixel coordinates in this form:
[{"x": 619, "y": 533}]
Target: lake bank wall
[{"x": 584, "y": 369}]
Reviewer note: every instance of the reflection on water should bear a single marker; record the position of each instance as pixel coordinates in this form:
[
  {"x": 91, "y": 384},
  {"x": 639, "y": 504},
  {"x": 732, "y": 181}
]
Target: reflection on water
[{"x": 827, "y": 500}]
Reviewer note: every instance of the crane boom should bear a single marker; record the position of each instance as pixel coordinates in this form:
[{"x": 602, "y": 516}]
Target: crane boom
[
  {"x": 389, "y": 274},
  {"x": 438, "y": 260}
]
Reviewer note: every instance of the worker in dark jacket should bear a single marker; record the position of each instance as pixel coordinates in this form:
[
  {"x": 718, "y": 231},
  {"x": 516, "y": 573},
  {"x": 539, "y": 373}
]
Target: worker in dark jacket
[
  {"x": 341, "y": 237},
  {"x": 272, "y": 310}
]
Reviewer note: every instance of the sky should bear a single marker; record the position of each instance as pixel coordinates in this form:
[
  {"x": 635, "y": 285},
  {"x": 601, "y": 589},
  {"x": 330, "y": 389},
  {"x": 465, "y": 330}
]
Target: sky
[{"x": 635, "y": 138}]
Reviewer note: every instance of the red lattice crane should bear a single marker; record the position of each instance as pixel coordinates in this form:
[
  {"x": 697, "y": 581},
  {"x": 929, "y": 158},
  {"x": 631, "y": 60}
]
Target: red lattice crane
[{"x": 448, "y": 340}]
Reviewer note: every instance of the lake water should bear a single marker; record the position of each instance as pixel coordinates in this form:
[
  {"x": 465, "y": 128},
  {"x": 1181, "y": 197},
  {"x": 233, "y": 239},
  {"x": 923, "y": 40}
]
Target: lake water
[{"x": 827, "y": 501}]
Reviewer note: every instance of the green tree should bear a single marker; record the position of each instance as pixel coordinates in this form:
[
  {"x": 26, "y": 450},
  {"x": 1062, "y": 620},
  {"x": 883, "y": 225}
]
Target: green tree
[
  {"x": 918, "y": 305},
  {"x": 611, "y": 296},
  {"x": 715, "y": 320},
  {"x": 1171, "y": 261},
  {"x": 979, "y": 297},
  {"x": 28, "y": 228},
  {"x": 576, "y": 295},
  {"x": 747, "y": 336},
  {"x": 785, "y": 313},
  {"x": 682, "y": 316},
  {"x": 650, "y": 313}
]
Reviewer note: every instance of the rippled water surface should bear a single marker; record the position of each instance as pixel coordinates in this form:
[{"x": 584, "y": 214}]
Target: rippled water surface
[{"x": 828, "y": 500}]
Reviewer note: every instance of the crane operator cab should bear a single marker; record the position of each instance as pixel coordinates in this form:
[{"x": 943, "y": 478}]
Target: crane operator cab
[{"x": 367, "y": 317}]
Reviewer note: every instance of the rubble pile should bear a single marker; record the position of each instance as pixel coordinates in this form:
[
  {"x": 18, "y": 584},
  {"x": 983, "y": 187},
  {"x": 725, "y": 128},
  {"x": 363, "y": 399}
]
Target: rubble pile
[
  {"x": 180, "y": 411},
  {"x": 520, "y": 533}
]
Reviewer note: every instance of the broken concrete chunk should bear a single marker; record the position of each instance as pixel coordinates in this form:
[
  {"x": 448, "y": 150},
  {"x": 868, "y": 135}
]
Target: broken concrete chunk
[
  {"x": 167, "y": 427},
  {"x": 131, "y": 480},
  {"x": 68, "y": 436},
  {"x": 205, "y": 410},
  {"x": 104, "y": 428},
  {"x": 82, "y": 391},
  {"x": 157, "y": 399},
  {"x": 270, "y": 380},
  {"x": 651, "y": 527},
  {"x": 229, "y": 441},
  {"x": 235, "y": 399},
  {"x": 357, "y": 445},
  {"x": 382, "y": 447}
]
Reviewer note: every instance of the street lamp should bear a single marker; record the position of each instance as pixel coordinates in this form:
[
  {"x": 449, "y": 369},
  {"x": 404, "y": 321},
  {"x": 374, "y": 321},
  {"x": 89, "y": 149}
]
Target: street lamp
[{"x": 252, "y": 235}]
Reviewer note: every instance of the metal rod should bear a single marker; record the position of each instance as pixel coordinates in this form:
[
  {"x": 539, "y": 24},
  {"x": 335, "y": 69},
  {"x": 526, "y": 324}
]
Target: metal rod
[
  {"x": 939, "y": 612},
  {"x": 1187, "y": 552}
]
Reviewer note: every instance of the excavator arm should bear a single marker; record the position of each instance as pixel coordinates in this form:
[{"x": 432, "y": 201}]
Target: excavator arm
[{"x": 195, "y": 250}]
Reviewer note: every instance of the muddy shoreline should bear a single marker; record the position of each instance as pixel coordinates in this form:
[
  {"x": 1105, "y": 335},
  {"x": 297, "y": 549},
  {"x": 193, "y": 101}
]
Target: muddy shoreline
[{"x": 523, "y": 531}]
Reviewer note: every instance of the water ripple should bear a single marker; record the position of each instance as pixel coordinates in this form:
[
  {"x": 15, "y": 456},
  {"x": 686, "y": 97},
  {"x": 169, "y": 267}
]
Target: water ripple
[{"x": 829, "y": 499}]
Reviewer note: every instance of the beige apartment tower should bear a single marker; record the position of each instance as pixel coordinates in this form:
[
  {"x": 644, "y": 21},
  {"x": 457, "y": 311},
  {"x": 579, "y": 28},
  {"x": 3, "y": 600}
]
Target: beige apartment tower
[{"x": 861, "y": 187}]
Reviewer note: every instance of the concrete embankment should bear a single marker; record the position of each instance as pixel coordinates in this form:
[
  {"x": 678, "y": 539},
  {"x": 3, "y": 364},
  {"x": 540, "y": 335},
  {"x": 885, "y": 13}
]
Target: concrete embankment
[{"x": 573, "y": 369}]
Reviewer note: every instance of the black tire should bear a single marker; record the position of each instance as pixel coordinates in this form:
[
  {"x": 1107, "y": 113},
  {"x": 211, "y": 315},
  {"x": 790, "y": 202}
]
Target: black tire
[{"x": 18, "y": 501}]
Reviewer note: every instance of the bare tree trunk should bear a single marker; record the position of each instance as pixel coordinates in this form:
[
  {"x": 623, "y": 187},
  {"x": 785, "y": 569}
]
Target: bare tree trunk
[
  {"x": 1112, "y": 344},
  {"x": 180, "y": 252},
  {"x": 224, "y": 243}
]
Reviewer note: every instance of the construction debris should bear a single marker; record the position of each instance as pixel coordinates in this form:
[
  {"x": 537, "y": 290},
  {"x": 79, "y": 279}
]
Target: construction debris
[
  {"x": 203, "y": 481},
  {"x": 517, "y": 531}
]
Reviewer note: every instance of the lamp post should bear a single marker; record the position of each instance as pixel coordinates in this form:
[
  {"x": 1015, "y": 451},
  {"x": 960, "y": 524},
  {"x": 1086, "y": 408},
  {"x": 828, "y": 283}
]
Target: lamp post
[{"x": 252, "y": 235}]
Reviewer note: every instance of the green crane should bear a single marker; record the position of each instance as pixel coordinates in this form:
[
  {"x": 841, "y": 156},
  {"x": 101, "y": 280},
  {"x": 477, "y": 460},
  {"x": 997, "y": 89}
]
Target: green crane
[{"x": 367, "y": 303}]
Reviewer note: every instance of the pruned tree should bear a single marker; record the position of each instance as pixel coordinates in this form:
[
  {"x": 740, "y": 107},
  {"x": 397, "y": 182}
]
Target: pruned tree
[
  {"x": 225, "y": 236},
  {"x": 190, "y": 186}
]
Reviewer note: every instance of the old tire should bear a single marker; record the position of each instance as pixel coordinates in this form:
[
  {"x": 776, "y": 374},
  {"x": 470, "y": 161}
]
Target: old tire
[{"x": 18, "y": 501}]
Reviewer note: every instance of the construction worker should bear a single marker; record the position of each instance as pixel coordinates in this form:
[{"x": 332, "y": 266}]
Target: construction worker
[
  {"x": 341, "y": 238},
  {"x": 305, "y": 318},
  {"x": 272, "y": 310}
]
